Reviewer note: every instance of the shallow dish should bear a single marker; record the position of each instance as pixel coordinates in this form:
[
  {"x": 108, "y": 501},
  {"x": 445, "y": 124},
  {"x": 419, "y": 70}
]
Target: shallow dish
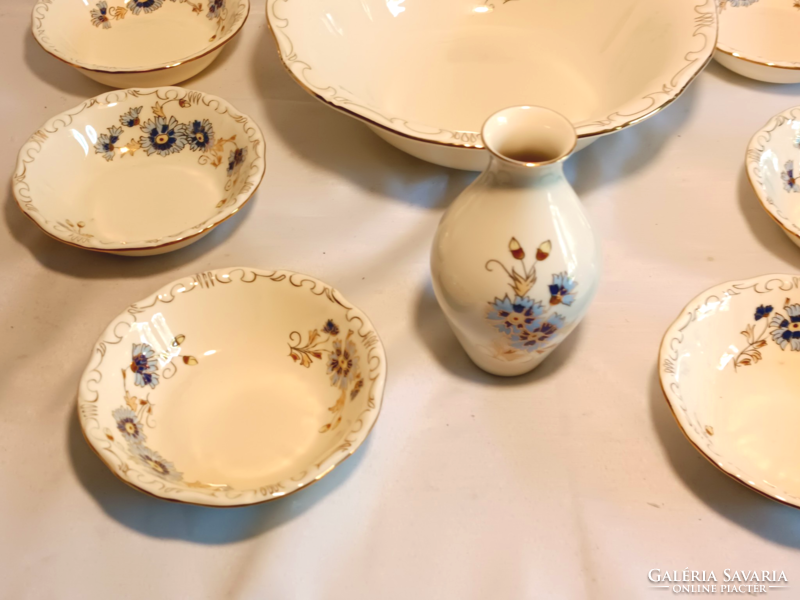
[
  {"x": 232, "y": 387},
  {"x": 773, "y": 167},
  {"x": 137, "y": 43},
  {"x": 758, "y": 39},
  {"x": 426, "y": 75},
  {"x": 140, "y": 171},
  {"x": 729, "y": 369}
]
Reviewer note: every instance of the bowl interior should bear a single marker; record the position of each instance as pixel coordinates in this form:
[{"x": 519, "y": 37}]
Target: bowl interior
[
  {"x": 138, "y": 167},
  {"x": 761, "y": 29},
  {"x": 234, "y": 382},
  {"x": 732, "y": 370},
  {"x": 451, "y": 64},
  {"x": 773, "y": 163},
  {"x": 137, "y": 34}
]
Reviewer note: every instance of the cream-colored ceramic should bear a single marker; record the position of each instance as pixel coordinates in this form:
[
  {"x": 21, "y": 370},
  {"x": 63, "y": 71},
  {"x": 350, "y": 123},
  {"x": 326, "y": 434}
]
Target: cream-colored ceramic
[
  {"x": 772, "y": 163},
  {"x": 232, "y": 387},
  {"x": 515, "y": 263},
  {"x": 758, "y": 39},
  {"x": 426, "y": 75},
  {"x": 137, "y": 43},
  {"x": 729, "y": 369},
  {"x": 139, "y": 172}
]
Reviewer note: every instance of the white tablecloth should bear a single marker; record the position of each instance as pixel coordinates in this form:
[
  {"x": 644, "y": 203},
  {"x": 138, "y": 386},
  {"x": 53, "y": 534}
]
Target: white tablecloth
[{"x": 569, "y": 483}]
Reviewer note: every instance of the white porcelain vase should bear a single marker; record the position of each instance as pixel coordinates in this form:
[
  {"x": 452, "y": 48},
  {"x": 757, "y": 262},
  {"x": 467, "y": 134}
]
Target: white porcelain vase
[{"x": 515, "y": 262}]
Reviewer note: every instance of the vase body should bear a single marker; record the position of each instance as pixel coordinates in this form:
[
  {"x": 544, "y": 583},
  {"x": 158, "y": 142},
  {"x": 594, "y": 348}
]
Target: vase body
[{"x": 515, "y": 263}]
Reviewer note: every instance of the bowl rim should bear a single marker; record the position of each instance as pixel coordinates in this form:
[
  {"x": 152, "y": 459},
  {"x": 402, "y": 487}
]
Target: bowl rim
[
  {"x": 707, "y": 15},
  {"x": 785, "y": 65},
  {"x": 363, "y": 425},
  {"x": 757, "y": 145},
  {"x": 35, "y": 143},
  {"x": 665, "y": 359},
  {"x": 42, "y": 7}
]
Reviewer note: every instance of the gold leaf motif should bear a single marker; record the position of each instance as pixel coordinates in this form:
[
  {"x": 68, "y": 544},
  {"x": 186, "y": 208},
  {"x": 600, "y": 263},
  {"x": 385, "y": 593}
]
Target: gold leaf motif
[
  {"x": 189, "y": 360},
  {"x": 179, "y": 339},
  {"x": 709, "y": 430},
  {"x": 130, "y": 148},
  {"x": 158, "y": 110}
]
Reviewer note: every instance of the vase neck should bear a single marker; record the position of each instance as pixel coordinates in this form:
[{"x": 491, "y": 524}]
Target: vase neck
[{"x": 507, "y": 174}]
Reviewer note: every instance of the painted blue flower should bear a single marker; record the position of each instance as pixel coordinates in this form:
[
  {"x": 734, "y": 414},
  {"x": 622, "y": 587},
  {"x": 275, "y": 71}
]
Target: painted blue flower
[
  {"x": 741, "y": 3},
  {"x": 236, "y": 159},
  {"x": 215, "y": 8},
  {"x": 100, "y": 15},
  {"x": 789, "y": 178},
  {"x": 163, "y": 137},
  {"x": 331, "y": 327},
  {"x": 512, "y": 316},
  {"x": 787, "y": 329},
  {"x": 128, "y": 425},
  {"x": 156, "y": 463},
  {"x": 763, "y": 311},
  {"x": 343, "y": 363},
  {"x": 148, "y": 6},
  {"x": 106, "y": 142},
  {"x": 131, "y": 118},
  {"x": 144, "y": 365},
  {"x": 561, "y": 290},
  {"x": 201, "y": 135},
  {"x": 538, "y": 337}
]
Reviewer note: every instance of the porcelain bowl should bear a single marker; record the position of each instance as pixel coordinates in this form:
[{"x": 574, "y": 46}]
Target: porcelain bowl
[
  {"x": 140, "y": 171},
  {"x": 232, "y": 387},
  {"x": 772, "y": 164},
  {"x": 426, "y": 75},
  {"x": 729, "y": 369},
  {"x": 758, "y": 39},
  {"x": 137, "y": 43}
]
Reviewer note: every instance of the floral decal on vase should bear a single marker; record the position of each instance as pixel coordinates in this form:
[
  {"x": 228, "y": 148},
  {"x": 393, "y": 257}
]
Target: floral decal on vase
[
  {"x": 528, "y": 325},
  {"x": 102, "y": 15},
  {"x": 783, "y": 330},
  {"x": 135, "y": 416},
  {"x": 343, "y": 362}
]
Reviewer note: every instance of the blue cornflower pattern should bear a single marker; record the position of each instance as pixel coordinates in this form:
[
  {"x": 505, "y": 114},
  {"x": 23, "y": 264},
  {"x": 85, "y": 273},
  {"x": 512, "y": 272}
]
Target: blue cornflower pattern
[
  {"x": 215, "y": 8},
  {"x": 741, "y": 3},
  {"x": 561, "y": 290},
  {"x": 762, "y": 312},
  {"x": 787, "y": 329},
  {"x": 343, "y": 363},
  {"x": 106, "y": 143},
  {"x": 236, "y": 159},
  {"x": 144, "y": 365},
  {"x": 131, "y": 118},
  {"x": 129, "y": 425},
  {"x": 99, "y": 15},
  {"x": 331, "y": 328},
  {"x": 539, "y": 336},
  {"x": 789, "y": 179},
  {"x": 146, "y": 6},
  {"x": 156, "y": 463},
  {"x": 511, "y": 316},
  {"x": 201, "y": 135},
  {"x": 164, "y": 137}
]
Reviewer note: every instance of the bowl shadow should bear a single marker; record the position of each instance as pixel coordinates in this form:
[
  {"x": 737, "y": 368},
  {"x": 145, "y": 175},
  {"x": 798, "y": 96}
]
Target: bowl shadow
[
  {"x": 768, "y": 233},
  {"x": 768, "y": 519},
  {"x": 441, "y": 342},
  {"x": 200, "y": 524},
  {"x": 86, "y": 264}
]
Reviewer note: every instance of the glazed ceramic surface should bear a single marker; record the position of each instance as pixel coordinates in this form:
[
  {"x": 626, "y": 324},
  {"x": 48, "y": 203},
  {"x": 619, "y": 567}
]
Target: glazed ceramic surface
[
  {"x": 515, "y": 263},
  {"x": 729, "y": 367},
  {"x": 773, "y": 164},
  {"x": 232, "y": 387},
  {"x": 758, "y": 39},
  {"x": 139, "y": 171},
  {"x": 137, "y": 43},
  {"x": 426, "y": 75}
]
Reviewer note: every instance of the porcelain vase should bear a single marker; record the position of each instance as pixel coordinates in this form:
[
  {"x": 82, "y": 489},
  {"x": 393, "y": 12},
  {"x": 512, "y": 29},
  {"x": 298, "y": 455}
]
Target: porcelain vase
[{"x": 515, "y": 263}]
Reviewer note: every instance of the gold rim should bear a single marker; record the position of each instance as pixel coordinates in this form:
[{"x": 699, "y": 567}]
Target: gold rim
[
  {"x": 580, "y": 136},
  {"x": 734, "y": 53},
  {"x": 111, "y": 71},
  {"x": 345, "y": 304},
  {"x": 674, "y": 414}
]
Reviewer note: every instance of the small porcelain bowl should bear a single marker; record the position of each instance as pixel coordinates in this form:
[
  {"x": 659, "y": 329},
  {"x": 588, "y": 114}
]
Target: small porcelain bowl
[
  {"x": 232, "y": 387},
  {"x": 758, "y": 39},
  {"x": 139, "y": 172},
  {"x": 729, "y": 369},
  {"x": 137, "y": 43},
  {"x": 773, "y": 167}
]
